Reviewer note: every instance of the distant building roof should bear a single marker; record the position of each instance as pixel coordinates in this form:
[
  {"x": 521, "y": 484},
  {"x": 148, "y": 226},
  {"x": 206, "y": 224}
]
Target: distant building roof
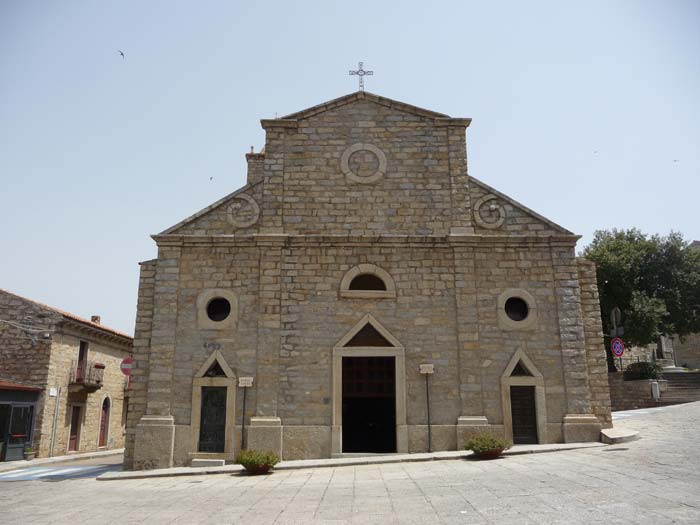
[
  {"x": 6, "y": 384},
  {"x": 71, "y": 316}
]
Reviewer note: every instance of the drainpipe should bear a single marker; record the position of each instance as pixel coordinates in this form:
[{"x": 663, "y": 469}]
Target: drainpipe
[{"x": 55, "y": 422}]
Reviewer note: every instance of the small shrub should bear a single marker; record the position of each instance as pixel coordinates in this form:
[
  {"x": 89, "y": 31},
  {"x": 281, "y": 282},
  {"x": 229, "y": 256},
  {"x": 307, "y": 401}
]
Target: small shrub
[
  {"x": 482, "y": 443},
  {"x": 642, "y": 370},
  {"x": 256, "y": 461}
]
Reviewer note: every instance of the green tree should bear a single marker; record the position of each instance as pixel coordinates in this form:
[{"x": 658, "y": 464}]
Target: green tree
[{"x": 654, "y": 280}]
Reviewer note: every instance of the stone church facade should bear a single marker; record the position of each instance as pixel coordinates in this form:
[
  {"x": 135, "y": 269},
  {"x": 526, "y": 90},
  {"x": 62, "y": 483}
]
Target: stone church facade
[{"x": 358, "y": 250}]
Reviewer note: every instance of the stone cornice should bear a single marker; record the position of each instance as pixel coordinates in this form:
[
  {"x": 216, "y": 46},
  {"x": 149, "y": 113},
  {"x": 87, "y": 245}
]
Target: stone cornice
[
  {"x": 370, "y": 240},
  {"x": 268, "y": 123}
]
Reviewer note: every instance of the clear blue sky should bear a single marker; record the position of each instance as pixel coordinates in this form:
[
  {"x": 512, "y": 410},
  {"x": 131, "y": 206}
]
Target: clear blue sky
[{"x": 97, "y": 152}]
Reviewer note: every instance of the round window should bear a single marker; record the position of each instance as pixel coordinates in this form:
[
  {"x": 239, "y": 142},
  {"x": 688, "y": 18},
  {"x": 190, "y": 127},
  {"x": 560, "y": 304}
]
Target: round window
[
  {"x": 516, "y": 309},
  {"x": 218, "y": 309}
]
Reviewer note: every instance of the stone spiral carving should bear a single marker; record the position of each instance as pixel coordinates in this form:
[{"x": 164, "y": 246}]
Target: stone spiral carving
[
  {"x": 243, "y": 211},
  {"x": 489, "y": 213}
]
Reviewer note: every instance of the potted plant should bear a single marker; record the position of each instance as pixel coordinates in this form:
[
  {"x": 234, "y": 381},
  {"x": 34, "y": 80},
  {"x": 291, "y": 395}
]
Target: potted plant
[
  {"x": 486, "y": 446},
  {"x": 29, "y": 452},
  {"x": 256, "y": 462}
]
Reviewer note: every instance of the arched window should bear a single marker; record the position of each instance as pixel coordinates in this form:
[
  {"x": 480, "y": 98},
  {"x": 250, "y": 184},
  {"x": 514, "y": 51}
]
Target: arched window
[{"x": 367, "y": 281}]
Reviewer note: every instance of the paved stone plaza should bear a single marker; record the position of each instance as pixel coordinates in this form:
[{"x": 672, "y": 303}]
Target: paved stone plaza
[{"x": 653, "y": 480}]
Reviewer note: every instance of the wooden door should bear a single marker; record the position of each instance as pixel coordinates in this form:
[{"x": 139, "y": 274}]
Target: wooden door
[
  {"x": 212, "y": 425},
  {"x": 104, "y": 423},
  {"x": 74, "y": 429},
  {"x": 369, "y": 404},
  {"x": 522, "y": 402}
]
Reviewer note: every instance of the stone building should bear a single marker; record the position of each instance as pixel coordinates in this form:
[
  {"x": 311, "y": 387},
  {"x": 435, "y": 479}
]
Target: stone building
[
  {"x": 61, "y": 387},
  {"x": 358, "y": 250}
]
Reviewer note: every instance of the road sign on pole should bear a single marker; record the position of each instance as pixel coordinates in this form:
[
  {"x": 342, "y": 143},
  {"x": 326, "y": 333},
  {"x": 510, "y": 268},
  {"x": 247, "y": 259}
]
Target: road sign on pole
[
  {"x": 126, "y": 366},
  {"x": 617, "y": 346}
]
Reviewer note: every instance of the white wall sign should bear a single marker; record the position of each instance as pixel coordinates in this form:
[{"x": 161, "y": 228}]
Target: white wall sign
[
  {"x": 427, "y": 369},
  {"x": 245, "y": 382}
]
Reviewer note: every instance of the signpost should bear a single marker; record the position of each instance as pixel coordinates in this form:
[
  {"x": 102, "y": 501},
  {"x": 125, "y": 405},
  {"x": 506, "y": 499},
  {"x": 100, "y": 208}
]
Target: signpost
[
  {"x": 427, "y": 370},
  {"x": 126, "y": 365},
  {"x": 617, "y": 347},
  {"x": 245, "y": 383}
]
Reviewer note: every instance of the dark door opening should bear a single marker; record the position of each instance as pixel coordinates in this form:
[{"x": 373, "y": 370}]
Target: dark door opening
[
  {"x": 104, "y": 423},
  {"x": 369, "y": 404},
  {"x": 74, "y": 429},
  {"x": 212, "y": 426},
  {"x": 522, "y": 403}
]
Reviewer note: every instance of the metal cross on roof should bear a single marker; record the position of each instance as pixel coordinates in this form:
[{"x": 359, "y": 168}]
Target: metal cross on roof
[{"x": 361, "y": 73}]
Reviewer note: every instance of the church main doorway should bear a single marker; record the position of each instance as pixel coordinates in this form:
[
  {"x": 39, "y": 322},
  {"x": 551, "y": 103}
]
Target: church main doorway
[{"x": 369, "y": 404}]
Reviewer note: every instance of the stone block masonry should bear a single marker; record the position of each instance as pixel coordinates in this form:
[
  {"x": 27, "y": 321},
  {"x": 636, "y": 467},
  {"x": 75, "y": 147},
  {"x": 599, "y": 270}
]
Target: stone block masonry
[{"x": 450, "y": 272}]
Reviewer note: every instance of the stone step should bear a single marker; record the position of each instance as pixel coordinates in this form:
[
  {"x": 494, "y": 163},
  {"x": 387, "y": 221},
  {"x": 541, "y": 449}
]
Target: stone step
[
  {"x": 207, "y": 462},
  {"x": 614, "y": 435}
]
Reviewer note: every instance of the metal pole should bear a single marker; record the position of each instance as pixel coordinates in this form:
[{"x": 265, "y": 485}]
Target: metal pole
[
  {"x": 427, "y": 401},
  {"x": 55, "y": 421},
  {"x": 245, "y": 390}
]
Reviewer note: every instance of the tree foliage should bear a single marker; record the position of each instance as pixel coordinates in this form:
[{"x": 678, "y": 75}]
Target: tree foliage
[{"x": 654, "y": 280}]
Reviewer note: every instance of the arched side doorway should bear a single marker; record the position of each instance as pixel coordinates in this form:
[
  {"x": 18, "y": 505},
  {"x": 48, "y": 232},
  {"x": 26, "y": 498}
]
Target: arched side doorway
[
  {"x": 104, "y": 423},
  {"x": 369, "y": 391}
]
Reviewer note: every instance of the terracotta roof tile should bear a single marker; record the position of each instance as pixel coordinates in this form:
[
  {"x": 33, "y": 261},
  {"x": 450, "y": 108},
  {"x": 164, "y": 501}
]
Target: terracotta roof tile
[{"x": 71, "y": 316}]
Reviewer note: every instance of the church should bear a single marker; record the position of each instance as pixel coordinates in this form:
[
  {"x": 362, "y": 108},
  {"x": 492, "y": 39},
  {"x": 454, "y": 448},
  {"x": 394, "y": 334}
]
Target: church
[{"x": 362, "y": 293}]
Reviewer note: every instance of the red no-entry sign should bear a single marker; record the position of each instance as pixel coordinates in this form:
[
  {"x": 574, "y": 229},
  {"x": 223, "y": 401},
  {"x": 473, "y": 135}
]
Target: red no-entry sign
[
  {"x": 126, "y": 365},
  {"x": 617, "y": 346}
]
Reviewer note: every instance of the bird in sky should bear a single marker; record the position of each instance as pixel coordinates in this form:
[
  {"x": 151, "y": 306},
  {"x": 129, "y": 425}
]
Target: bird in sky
[
  {"x": 121, "y": 53},
  {"x": 211, "y": 178},
  {"x": 675, "y": 160}
]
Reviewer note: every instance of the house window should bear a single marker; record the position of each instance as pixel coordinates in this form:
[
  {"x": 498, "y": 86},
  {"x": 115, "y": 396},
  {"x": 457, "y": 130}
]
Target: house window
[{"x": 82, "y": 368}]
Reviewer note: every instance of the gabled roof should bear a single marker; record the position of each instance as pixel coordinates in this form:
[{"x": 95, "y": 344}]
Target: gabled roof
[
  {"x": 70, "y": 316},
  {"x": 516, "y": 204},
  {"x": 363, "y": 95},
  {"x": 206, "y": 210}
]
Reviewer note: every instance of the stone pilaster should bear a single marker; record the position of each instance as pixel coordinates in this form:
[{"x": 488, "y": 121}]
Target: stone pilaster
[
  {"x": 467, "y": 324},
  {"x": 154, "y": 437},
  {"x": 272, "y": 210},
  {"x": 139, "y": 372},
  {"x": 579, "y": 424},
  {"x": 595, "y": 350},
  {"x": 269, "y": 324},
  {"x": 459, "y": 180}
]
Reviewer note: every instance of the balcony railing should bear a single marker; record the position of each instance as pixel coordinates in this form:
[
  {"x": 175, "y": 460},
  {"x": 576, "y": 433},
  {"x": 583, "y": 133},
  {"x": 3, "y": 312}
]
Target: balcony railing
[{"x": 89, "y": 374}]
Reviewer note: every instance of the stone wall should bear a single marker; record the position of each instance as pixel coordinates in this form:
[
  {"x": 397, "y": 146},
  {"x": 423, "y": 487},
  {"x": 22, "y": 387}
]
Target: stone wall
[
  {"x": 25, "y": 355},
  {"x": 687, "y": 351},
  {"x": 595, "y": 350},
  {"x": 142, "y": 344},
  {"x": 630, "y": 395},
  {"x": 46, "y": 362},
  {"x": 431, "y": 316},
  {"x": 64, "y": 355}
]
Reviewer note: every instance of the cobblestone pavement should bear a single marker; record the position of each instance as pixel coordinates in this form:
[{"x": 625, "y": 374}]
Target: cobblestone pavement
[{"x": 653, "y": 480}]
